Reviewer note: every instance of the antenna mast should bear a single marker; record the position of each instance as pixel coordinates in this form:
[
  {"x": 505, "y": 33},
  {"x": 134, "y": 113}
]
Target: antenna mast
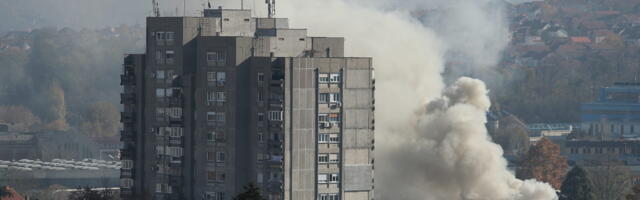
[
  {"x": 271, "y": 5},
  {"x": 156, "y": 8}
]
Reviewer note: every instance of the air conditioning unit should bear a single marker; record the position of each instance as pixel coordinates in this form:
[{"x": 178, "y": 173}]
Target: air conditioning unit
[{"x": 333, "y": 106}]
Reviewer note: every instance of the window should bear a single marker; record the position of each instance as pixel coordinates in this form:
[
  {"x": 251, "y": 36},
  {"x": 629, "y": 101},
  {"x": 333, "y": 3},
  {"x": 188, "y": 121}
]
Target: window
[
  {"x": 260, "y": 117},
  {"x": 170, "y": 36},
  {"x": 211, "y": 116},
  {"x": 163, "y": 188},
  {"x": 170, "y": 56},
  {"x": 211, "y": 76},
  {"x": 330, "y": 196},
  {"x": 323, "y": 78},
  {"x": 260, "y": 177},
  {"x": 322, "y": 178},
  {"x": 221, "y": 117},
  {"x": 211, "y": 96},
  {"x": 160, "y": 35},
  {"x": 211, "y": 136},
  {"x": 260, "y": 137},
  {"x": 127, "y": 164},
  {"x": 334, "y": 117},
  {"x": 323, "y": 117},
  {"x": 260, "y": 96},
  {"x": 323, "y": 138},
  {"x": 334, "y": 178},
  {"x": 260, "y": 77},
  {"x": 220, "y": 157},
  {"x": 323, "y": 98},
  {"x": 221, "y": 177},
  {"x": 216, "y": 59},
  {"x": 174, "y": 113},
  {"x": 159, "y": 57},
  {"x": 211, "y": 156},
  {"x": 174, "y": 151},
  {"x": 215, "y": 196},
  {"x": 212, "y": 56},
  {"x": 126, "y": 182},
  {"x": 329, "y": 98},
  {"x": 328, "y": 138},
  {"x": 221, "y": 78},
  {"x": 275, "y": 115},
  {"x": 612, "y": 127},
  {"x": 323, "y": 158},
  {"x": 160, "y": 74},
  {"x": 334, "y": 138},
  {"x": 335, "y": 78},
  {"x": 174, "y": 132},
  {"x": 221, "y": 97},
  {"x": 335, "y": 97},
  {"x": 211, "y": 175},
  {"x": 161, "y": 114},
  {"x": 160, "y": 92}
]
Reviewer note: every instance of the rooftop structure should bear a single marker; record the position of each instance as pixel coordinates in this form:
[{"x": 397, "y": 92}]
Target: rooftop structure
[
  {"x": 226, "y": 99},
  {"x": 615, "y": 114}
]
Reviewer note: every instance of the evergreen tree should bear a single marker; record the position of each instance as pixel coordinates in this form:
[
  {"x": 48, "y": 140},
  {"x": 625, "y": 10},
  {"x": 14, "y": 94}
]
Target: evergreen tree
[
  {"x": 576, "y": 185},
  {"x": 251, "y": 192}
]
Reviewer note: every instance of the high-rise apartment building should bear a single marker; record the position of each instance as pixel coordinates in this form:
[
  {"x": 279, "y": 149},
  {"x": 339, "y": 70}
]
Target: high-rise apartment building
[{"x": 226, "y": 99}]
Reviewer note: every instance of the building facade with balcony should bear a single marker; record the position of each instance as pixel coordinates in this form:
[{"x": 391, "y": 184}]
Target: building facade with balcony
[{"x": 226, "y": 99}]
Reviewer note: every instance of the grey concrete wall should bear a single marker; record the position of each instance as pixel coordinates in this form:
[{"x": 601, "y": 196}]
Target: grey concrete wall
[
  {"x": 301, "y": 131},
  {"x": 358, "y": 129}
]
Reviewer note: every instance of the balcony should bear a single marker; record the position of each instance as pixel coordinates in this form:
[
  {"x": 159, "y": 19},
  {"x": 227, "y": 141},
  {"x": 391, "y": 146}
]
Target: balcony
[
  {"x": 127, "y": 134},
  {"x": 127, "y": 117},
  {"x": 175, "y": 101},
  {"x": 128, "y": 79},
  {"x": 276, "y": 83},
  {"x": 127, "y": 98}
]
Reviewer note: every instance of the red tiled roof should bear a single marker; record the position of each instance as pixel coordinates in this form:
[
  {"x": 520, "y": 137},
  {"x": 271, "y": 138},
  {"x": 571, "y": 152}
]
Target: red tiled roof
[
  {"x": 13, "y": 194},
  {"x": 580, "y": 40}
]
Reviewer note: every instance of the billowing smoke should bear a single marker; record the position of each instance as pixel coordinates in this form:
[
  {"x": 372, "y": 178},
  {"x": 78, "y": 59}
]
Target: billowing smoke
[{"x": 431, "y": 140}]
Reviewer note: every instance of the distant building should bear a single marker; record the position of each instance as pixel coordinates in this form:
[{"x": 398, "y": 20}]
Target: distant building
[
  {"x": 615, "y": 114},
  {"x": 557, "y": 132},
  {"x": 15, "y": 145},
  {"x": 68, "y": 173},
  {"x": 593, "y": 153},
  {"x": 226, "y": 99},
  {"x": 50, "y": 145}
]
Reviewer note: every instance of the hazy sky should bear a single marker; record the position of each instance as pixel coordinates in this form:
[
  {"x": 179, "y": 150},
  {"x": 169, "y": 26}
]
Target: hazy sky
[{"x": 28, "y": 14}]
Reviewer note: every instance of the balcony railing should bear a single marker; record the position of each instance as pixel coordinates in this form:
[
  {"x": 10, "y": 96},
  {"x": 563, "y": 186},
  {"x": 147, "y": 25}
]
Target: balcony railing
[{"x": 127, "y": 79}]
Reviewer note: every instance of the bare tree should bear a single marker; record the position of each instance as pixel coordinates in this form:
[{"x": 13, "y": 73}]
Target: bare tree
[{"x": 611, "y": 179}]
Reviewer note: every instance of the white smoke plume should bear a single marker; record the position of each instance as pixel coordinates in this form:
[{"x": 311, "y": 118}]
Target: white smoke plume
[{"x": 431, "y": 141}]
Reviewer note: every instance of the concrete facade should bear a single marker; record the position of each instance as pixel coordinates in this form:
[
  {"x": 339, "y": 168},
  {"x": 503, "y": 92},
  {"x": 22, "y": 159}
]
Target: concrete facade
[{"x": 227, "y": 99}]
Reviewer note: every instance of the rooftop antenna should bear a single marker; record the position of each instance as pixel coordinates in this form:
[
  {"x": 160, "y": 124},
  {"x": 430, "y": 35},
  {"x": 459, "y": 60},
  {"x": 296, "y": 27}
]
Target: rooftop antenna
[
  {"x": 156, "y": 8},
  {"x": 271, "y": 5}
]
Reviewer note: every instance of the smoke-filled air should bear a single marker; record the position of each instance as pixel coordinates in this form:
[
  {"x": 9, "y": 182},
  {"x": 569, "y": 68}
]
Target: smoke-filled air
[{"x": 431, "y": 140}]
